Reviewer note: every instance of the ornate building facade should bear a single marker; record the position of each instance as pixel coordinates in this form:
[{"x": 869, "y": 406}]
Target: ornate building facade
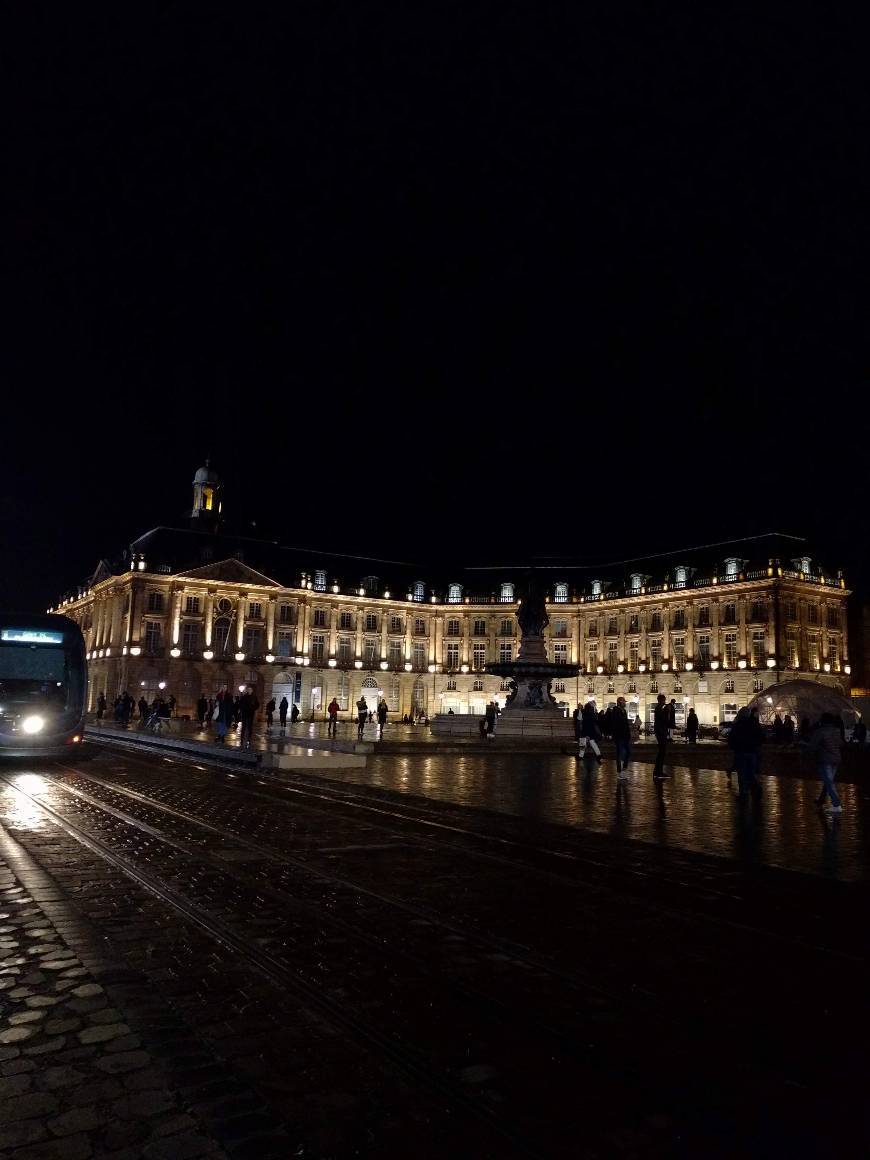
[{"x": 191, "y": 610}]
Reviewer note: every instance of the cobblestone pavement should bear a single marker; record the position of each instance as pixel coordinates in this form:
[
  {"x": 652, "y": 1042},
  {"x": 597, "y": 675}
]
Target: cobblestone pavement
[{"x": 384, "y": 965}]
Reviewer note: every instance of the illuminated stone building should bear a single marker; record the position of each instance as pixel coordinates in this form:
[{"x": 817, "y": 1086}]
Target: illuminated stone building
[{"x": 190, "y": 610}]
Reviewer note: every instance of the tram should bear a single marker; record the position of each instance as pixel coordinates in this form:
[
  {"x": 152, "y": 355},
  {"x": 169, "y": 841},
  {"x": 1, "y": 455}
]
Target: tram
[{"x": 43, "y": 685}]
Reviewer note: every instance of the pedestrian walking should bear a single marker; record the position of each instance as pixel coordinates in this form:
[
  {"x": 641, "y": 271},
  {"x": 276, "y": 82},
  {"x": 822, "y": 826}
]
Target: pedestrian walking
[
  {"x": 692, "y": 727},
  {"x": 332, "y": 709},
  {"x": 382, "y": 717},
  {"x": 270, "y": 712},
  {"x": 223, "y": 715},
  {"x": 248, "y": 706},
  {"x": 362, "y": 713},
  {"x": 827, "y": 744},
  {"x": 490, "y": 716},
  {"x": 283, "y": 706},
  {"x": 294, "y": 714},
  {"x": 101, "y": 706},
  {"x": 661, "y": 729},
  {"x": 621, "y": 734},
  {"x": 745, "y": 739},
  {"x": 201, "y": 710}
]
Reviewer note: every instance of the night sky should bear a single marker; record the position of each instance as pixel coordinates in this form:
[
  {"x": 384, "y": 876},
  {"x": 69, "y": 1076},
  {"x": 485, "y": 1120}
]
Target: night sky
[{"x": 435, "y": 279}]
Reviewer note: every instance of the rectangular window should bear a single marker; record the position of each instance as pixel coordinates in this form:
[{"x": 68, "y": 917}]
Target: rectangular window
[
  {"x": 704, "y": 650},
  {"x": 320, "y": 581},
  {"x": 318, "y": 648},
  {"x": 834, "y": 655},
  {"x": 813, "y": 614},
  {"x": 191, "y": 605},
  {"x": 833, "y": 618},
  {"x": 396, "y": 624},
  {"x": 507, "y": 627},
  {"x": 759, "y": 648},
  {"x": 190, "y": 637},
  {"x": 680, "y": 618},
  {"x": 419, "y": 626},
  {"x": 632, "y": 656},
  {"x": 370, "y": 652},
  {"x": 480, "y": 628},
  {"x": 612, "y": 629},
  {"x": 285, "y": 614},
  {"x": 252, "y": 643},
  {"x": 155, "y": 601},
  {"x": 592, "y": 628},
  {"x": 729, "y": 614},
  {"x": 791, "y": 650},
  {"x": 255, "y": 610},
  {"x": 371, "y": 622},
  {"x": 297, "y": 688},
  {"x": 453, "y": 655},
  {"x": 479, "y": 657},
  {"x": 655, "y": 653},
  {"x": 560, "y": 653},
  {"x": 678, "y": 646},
  {"x": 612, "y": 655},
  {"x": 320, "y": 618},
  {"x": 730, "y": 650},
  {"x": 395, "y": 654},
  {"x": 345, "y": 650},
  {"x": 758, "y": 611},
  {"x": 152, "y": 635},
  {"x": 790, "y": 610},
  {"x": 634, "y": 622},
  {"x": 592, "y": 657},
  {"x": 345, "y": 620},
  {"x": 286, "y": 646},
  {"x": 704, "y": 616},
  {"x": 505, "y": 652},
  {"x": 419, "y": 656},
  {"x": 560, "y": 627},
  {"x": 453, "y": 628},
  {"x": 655, "y": 623}
]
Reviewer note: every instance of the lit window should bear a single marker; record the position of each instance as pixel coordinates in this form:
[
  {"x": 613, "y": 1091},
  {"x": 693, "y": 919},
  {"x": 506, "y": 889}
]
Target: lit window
[
  {"x": 320, "y": 581},
  {"x": 155, "y": 601},
  {"x": 345, "y": 650},
  {"x": 454, "y": 593},
  {"x": 371, "y": 622},
  {"x": 561, "y": 596},
  {"x": 636, "y": 581},
  {"x": 480, "y": 656},
  {"x": 730, "y": 650},
  {"x": 396, "y": 624},
  {"x": 505, "y": 652},
  {"x": 596, "y": 587},
  {"x": 507, "y": 593},
  {"x": 285, "y": 614},
  {"x": 320, "y": 617},
  {"x": 255, "y": 610},
  {"x": 419, "y": 590},
  {"x": 345, "y": 620},
  {"x": 395, "y": 653},
  {"x": 759, "y": 648},
  {"x": 560, "y": 653},
  {"x": 419, "y": 626},
  {"x": 452, "y": 628},
  {"x": 453, "y": 655},
  {"x": 479, "y": 628},
  {"x": 191, "y": 605}
]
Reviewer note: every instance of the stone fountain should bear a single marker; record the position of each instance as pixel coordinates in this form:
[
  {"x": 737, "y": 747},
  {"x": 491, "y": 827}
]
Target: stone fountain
[{"x": 531, "y": 710}]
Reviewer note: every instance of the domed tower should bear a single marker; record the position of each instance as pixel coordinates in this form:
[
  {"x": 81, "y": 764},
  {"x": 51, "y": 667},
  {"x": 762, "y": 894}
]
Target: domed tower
[{"x": 207, "y": 489}]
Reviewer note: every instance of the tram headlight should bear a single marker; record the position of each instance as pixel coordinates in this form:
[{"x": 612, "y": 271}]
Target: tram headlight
[{"x": 33, "y": 724}]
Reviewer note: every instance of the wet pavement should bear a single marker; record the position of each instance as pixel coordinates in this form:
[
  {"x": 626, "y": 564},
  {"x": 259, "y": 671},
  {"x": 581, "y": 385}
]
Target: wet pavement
[{"x": 442, "y": 955}]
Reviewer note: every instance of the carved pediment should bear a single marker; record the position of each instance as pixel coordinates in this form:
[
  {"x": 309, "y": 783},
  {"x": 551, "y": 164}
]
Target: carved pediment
[{"x": 230, "y": 572}]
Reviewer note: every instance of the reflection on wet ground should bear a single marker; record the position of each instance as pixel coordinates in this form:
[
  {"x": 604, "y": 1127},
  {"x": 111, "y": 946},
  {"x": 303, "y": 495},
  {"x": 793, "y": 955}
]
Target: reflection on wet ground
[{"x": 693, "y": 810}]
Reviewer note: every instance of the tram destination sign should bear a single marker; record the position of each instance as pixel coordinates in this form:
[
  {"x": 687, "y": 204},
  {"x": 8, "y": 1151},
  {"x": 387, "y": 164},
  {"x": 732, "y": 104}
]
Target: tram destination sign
[{"x": 30, "y": 636}]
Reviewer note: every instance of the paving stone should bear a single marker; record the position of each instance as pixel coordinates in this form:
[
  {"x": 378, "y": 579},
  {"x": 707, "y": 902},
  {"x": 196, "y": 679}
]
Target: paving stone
[
  {"x": 124, "y": 1043},
  {"x": 183, "y": 1147},
  {"x": 17, "y": 1066},
  {"x": 41, "y": 1001},
  {"x": 149, "y": 1103},
  {"x": 9, "y": 1053},
  {"x": 107, "y": 1015},
  {"x": 53, "y": 964},
  {"x": 60, "y": 1077},
  {"x": 102, "y": 1034},
  {"x": 84, "y": 1006},
  {"x": 46, "y": 1047},
  {"x": 125, "y": 1134},
  {"x": 144, "y": 1080},
  {"x": 23, "y": 1132},
  {"x": 16, "y": 1034},
  {"x": 22, "y": 1017},
  {"x": 88, "y": 990},
  {"x": 20, "y": 992},
  {"x": 172, "y": 1123},
  {"x": 65, "y": 1148},
  {"x": 84, "y": 1119},
  {"x": 61, "y": 1026},
  {"x": 96, "y": 1092},
  {"x": 14, "y": 1086},
  {"x": 124, "y": 1061},
  {"x": 27, "y": 1106},
  {"x": 33, "y": 979}
]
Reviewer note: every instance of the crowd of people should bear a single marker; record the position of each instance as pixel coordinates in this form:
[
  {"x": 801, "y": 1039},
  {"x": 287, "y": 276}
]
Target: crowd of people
[{"x": 125, "y": 706}]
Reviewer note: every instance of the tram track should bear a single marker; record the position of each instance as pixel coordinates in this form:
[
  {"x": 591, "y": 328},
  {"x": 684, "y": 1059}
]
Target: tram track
[
  {"x": 387, "y": 817},
  {"x": 493, "y": 1024}
]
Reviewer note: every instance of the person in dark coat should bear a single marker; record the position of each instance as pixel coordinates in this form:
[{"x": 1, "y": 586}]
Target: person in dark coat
[
  {"x": 283, "y": 706},
  {"x": 101, "y": 706},
  {"x": 270, "y": 712},
  {"x": 745, "y": 739},
  {"x": 248, "y": 706},
  {"x": 294, "y": 714},
  {"x": 382, "y": 717},
  {"x": 620, "y": 731},
  {"x": 692, "y": 727},
  {"x": 224, "y": 719},
  {"x": 201, "y": 711},
  {"x": 661, "y": 729}
]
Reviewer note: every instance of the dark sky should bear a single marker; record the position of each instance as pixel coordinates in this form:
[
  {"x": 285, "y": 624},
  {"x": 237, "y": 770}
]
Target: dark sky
[{"x": 436, "y": 278}]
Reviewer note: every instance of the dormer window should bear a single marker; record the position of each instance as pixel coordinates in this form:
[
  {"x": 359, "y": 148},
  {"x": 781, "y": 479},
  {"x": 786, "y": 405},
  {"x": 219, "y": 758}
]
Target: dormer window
[
  {"x": 370, "y": 584},
  {"x": 682, "y": 575},
  {"x": 732, "y": 566},
  {"x": 561, "y": 595},
  {"x": 803, "y": 564},
  {"x": 596, "y": 587},
  {"x": 636, "y": 581},
  {"x": 507, "y": 593},
  {"x": 419, "y": 590},
  {"x": 454, "y": 593},
  {"x": 320, "y": 581}
]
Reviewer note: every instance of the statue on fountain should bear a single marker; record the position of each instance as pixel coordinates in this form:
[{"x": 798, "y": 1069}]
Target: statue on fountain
[{"x": 532, "y": 615}]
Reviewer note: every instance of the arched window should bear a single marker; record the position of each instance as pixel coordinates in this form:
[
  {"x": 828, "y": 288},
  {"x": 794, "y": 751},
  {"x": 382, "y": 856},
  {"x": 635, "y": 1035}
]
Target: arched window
[
  {"x": 454, "y": 593},
  {"x": 419, "y": 590},
  {"x": 636, "y": 581},
  {"x": 370, "y": 683},
  {"x": 369, "y": 583},
  {"x": 507, "y": 593},
  {"x": 561, "y": 593},
  {"x": 596, "y": 587},
  {"x": 681, "y": 575}
]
